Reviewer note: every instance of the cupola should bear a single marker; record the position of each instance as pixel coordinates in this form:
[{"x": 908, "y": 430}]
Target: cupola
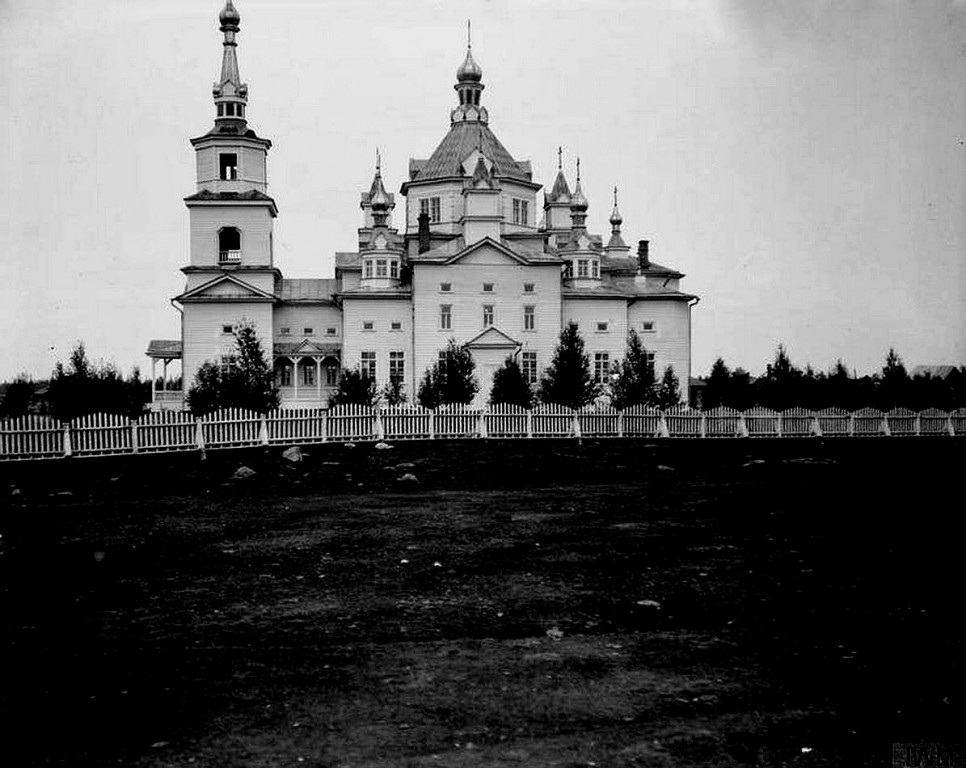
[
  {"x": 469, "y": 86},
  {"x": 230, "y": 94},
  {"x": 381, "y": 258}
]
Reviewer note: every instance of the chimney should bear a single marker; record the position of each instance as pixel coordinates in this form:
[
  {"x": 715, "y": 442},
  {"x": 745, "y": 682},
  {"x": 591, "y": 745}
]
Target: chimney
[
  {"x": 423, "y": 232},
  {"x": 642, "y": 261}
]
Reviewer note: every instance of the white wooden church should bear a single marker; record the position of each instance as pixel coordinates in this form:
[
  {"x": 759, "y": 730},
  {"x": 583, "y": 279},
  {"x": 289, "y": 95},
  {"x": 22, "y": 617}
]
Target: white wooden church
[{"x": 475, "y": 259}]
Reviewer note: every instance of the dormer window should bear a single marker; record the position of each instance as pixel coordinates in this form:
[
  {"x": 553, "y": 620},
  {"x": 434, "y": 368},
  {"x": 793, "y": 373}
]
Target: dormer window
[
  {"x": 594, "y": 268},
  {"x": 228, "y": 166},
  {"x": 367, "y": 268},
  {"x": 381, "y": 268},
  {"x": 229, "y": 245},
  {"x": 393, "y": 269},
  {"x": 583, "y": 268},
  {"x": 521, "y": 211}
]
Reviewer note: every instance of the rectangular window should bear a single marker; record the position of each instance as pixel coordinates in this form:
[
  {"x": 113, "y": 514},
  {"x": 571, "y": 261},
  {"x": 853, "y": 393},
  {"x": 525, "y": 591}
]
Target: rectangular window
[
  {"x": 583, "y": 270},
  {"x": 286, "y": 376},
  {"x": 393, "y": 269},
  {"x": 487, "y": 315},
  {"x": 230, "y": 109},
  {"x": 227, "y": 166},
  {"x": 381, "y": 268},
  {"x": 308, "y": 331},
  {"x": 488, "y": 287},
  {"x": 648, "y": 326},
  {"x": 397, "y": 365},
  {"x": 529, "y": 367},
  {"x": 368, "y": 364},
  {"x": 445, "y": 316},
  {"x": 445, "y": 287},
  {"x": 602, "y": 327},
  {"x": 330, "y": 331},
  {"x": 368, "y": 325},
  {"x": 650, "y": 358},
  {"x": 284, "y": 331},
  {"x": 528, "y": 287},
  {"x": 568, "y": 269},
  {"x": 594, "y": 268},
  {"x": 529, "y": 318},
  {"x": 331, "y": 375},
  {"x": 226, "y": 329},
  {"x": 521, "y": 212},
  {"x": 601, "y": 367},
  {"x": 367, "y": 268},
  {"x": 431, "y": 205},
  {"x": 308, "y": 375},
  {"x": 396, "y": 325}
]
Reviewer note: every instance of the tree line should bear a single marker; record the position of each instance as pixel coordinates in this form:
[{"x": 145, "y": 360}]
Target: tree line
[{"x": 784, "y": 385}]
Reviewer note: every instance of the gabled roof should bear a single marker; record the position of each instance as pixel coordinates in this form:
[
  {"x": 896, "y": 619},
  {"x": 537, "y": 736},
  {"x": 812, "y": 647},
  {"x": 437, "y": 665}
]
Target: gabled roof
[
  {"x": 164, "y": 349},
  {"x": 935, "y": 371},
  {"x": 248, "y": 292},
  {"x": 462, "y": 139},
  {"x": 492, "y": 338},
  {"x": 306, "y": 347},
  {"x": 306, "y": 289},
  {"x": 451, "y": 252},
  {"x": 560, "y": 193}
]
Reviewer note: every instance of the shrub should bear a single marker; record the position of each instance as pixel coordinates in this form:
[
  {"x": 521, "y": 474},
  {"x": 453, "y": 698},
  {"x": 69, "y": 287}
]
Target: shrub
[{"x": 568, "y": 381}]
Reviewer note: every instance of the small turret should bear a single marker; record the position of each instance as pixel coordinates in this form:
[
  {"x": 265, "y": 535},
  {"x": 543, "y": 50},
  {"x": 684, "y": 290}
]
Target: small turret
[
  {"x": 469, "y": 86},
  {"x": 230, "y": 94},
  {"x": 616, "y": 247}
]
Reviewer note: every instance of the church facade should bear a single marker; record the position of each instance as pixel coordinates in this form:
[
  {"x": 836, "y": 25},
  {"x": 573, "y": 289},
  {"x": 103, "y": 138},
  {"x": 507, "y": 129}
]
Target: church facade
[{"x": 480, "y": 256}]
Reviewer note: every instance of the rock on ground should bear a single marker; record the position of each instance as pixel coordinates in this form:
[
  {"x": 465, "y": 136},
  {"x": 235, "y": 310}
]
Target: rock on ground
[
  {"x": 292, "y": 454},
  {"x": 242, "y": 473},
  {"x": 409, "y": 479},
  {"x": 383, "y": 446}
]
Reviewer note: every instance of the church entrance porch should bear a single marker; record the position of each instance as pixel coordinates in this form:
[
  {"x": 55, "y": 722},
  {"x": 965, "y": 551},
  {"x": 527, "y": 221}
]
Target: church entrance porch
[
  {"x": 307, "y": 376},
  {"x": 490, "y": 349}
]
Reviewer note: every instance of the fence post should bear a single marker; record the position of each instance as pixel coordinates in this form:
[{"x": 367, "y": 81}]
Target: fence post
[
  {"x": 704, "y": 424},
  {"x": 816, "y": 426},
  {"x": 263, "y": 429},
  {"x": 134, "y": 436},
  {"x": 778, "y": 426},
  {"x": 530, "y": 422},
  {"x": 199, "y": 436},
  {"x": 482, "y": 427},
  {"x": 851, "y": 425},
  {"x": 885, "y": 426},
  {"x": 576, "y": 426},
  {"x": 620, "y": 423},
  {"x": 380, "y": 429},
  {"x": 662, "y": 427},
  {"x": 918, "y": 426},
  {"x": 325, "y": 425},
  {"x": 67, "y": 450},
  {"x": 432, "y": 424},
  {"x": 949, "y": 425},
  {"x": 742, "y": 426}
]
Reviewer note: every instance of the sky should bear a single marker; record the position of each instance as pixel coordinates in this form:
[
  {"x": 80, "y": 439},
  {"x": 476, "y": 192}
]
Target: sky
[{"x": 803, "y": 162}]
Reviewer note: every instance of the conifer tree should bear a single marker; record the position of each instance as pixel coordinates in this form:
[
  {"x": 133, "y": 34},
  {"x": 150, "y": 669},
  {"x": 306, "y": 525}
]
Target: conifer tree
[
  {"x": 510, "y": 386},
  {"x": 668, "y": 393},
  {"x": 354, "y": 388},
  {"x": 451, "y": 380},
  {"x": 244, "y": 380},
  {"x": 568, "y": 381},
  {"x": 632, "y": 382},
  {"x": 394, "y": 393}
]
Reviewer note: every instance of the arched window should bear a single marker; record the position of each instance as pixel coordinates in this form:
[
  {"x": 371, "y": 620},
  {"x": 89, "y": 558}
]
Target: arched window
[{"x": 229, "y": 245}]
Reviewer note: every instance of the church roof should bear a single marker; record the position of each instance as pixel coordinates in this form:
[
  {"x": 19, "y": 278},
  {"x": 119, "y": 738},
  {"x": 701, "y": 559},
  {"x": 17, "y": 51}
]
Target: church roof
[
  {"x": 306, "y": 289},
  {"x": 251, "y": 194},
  {"x": 462, "y": 139}
]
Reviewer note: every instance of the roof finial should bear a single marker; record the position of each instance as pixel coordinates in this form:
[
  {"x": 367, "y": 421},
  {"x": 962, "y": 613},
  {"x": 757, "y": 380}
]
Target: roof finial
[
  {"x": 578, "y": 170},
  {"x": 469, "y": 42},
  {"x": 378, "y": 163},
  {"x": 559, "y": 158},
  {"x": 615, "y": 197}
]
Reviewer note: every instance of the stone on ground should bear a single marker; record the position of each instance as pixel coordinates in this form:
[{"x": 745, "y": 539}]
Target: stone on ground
[
  {"x": 292, "y": 454},
  {"x": 408, "y": 479},
  {"x": 242, "y": 473},
  {"x": 383, "y": 446}
]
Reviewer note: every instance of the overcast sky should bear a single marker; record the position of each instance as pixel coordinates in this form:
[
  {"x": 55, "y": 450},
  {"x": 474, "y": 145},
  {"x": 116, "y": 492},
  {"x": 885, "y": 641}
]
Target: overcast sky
[{"x": 802, "y": 161}]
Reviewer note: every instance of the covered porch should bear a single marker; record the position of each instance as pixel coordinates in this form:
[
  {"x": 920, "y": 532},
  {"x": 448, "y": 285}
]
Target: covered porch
[
  {"x": 306, "y": 373},
  {"x": 166, "y": 394}
]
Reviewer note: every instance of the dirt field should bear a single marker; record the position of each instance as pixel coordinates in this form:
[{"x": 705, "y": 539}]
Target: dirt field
[{"x": 532, "y": 603}]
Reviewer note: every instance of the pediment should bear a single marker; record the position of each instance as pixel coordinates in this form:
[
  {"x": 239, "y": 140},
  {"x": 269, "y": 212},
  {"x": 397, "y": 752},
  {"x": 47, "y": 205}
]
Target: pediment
[
  {"x": 226, "y": 288},
  {"x": 492, "y": 338},
  {"x": 470, "y": 161},
  {"x": 487, "y": 251}
]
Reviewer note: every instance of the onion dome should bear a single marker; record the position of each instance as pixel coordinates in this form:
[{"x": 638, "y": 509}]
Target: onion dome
[
  {"x": 577, "y": 201},
  {"x": 229, "y": 17},
  {"x": 469, "y": 70},
  {"x": 615, "y": 217}
]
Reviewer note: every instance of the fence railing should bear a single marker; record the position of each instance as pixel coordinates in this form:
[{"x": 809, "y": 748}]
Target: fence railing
[{"x": 36, "y": 437}]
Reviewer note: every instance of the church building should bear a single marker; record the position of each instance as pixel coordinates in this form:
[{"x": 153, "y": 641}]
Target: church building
[{"x": 473, "y": 259}]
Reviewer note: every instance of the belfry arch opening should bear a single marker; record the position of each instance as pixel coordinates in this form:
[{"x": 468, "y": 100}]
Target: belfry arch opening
[{"x": 229, "y": 245}]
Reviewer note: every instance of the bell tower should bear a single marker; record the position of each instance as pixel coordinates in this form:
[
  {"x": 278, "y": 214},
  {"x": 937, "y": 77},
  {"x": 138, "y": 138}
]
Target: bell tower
[{"x": 231, "y": 214}]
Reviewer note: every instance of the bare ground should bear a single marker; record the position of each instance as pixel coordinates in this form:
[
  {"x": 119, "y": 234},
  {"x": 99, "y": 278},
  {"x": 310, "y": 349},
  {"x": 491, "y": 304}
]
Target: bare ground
[{"x": 537, "y": 603}]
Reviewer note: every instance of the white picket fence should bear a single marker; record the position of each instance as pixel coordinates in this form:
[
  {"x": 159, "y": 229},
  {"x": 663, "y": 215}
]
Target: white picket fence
[{"x": 37, "y": 437}]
